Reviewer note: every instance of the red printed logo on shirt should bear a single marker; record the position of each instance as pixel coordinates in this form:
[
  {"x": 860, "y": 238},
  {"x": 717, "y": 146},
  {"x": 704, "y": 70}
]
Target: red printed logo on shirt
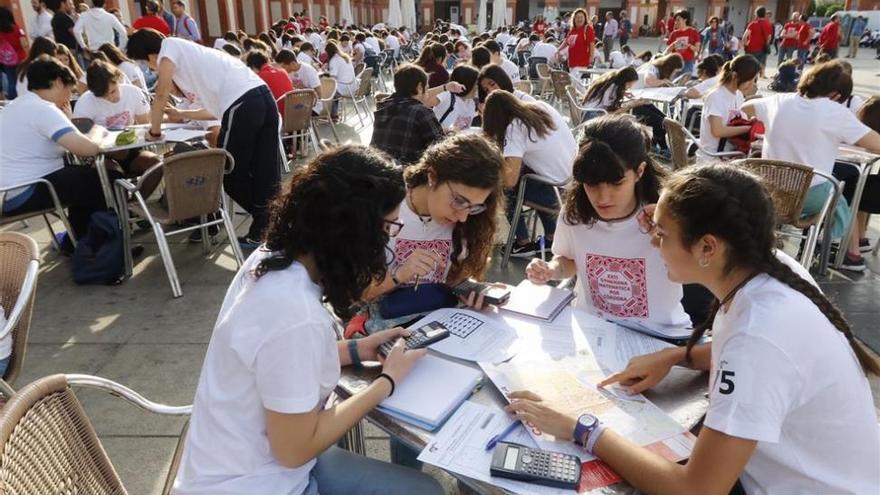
[
  {"x": 618, "y": 286},
  {"x": 118, "y": 120},
  {"x": 404, "y": 248}
]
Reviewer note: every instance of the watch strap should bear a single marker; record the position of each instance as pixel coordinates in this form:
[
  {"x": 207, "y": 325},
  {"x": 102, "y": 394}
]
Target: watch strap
[{"x": 353, "y": 353}]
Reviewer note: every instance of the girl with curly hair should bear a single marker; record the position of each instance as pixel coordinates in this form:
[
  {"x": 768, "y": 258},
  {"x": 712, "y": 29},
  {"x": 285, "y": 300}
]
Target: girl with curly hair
[{"x": 259, "y": 422}]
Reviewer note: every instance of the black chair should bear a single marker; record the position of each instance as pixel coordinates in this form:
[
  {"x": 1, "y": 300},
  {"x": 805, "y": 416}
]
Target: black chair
[{"x": 533, "y": 62}]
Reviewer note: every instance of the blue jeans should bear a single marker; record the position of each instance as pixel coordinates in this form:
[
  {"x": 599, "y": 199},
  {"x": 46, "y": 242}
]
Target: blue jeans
[
  {"x": 687, "y": 69},
  {"x": 803, "y": 54},
  {"x": 4, "y": 363},
  {"x": 816, "y": 198},
  {"x": 786, "y": 52},
  {"x": 342, "y": 472},
  {"x": 539, "y": 194},
  {"x": 7, "y": 81}
]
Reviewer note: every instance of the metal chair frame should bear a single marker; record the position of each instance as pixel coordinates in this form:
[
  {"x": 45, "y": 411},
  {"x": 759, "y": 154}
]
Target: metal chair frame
[
  {"x": 288, "y": 131},
  {"x": 680, "y": 141},
  {"x": 520, "y": 204},
  {"x": 575, "y": 111},
  {"x": 57, "y": 210},
  {"x": 18, "y": 315}
]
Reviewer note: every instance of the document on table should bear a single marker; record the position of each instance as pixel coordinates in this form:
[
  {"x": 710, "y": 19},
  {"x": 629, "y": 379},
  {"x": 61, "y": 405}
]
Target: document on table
[
  {"x": 658, "y": 94},
  {"x": 184, "y": 134},
  {"x": 473, "y": 336},
  {"x": 614, "y": 345}
]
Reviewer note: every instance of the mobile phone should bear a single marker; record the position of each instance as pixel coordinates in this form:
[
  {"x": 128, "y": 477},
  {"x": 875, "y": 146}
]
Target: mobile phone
[
  {"x": 492, "y": 294},
  {"x": 421, "y": 337},
  {"x": 542, "y": 467}
]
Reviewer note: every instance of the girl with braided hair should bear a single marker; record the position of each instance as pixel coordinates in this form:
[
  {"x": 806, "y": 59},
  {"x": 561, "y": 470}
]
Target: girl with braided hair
[{"x": 790, "y": 407}]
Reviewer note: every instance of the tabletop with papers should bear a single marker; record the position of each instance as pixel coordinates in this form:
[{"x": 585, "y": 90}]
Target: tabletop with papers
[{"x": 574, "y": 344}]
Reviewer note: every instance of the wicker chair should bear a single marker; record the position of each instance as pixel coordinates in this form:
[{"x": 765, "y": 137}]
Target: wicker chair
[
  {"x": 788, "y": 184},
  {"x": 680, "y": 140},
  {"x": 560, "y": 80},
  {"x": 326, "y": 95},
  {"x": 193, "y": 189},
  {"x": 49, "y": 444},
  {"x": 360, "y": 97},
  {"x": 524, "y": 86},
  {"x": 19, "y": 266},
  {"x": 545, "y": 83},
  {"x": 297, "y": 120},
  {"x": 578, "y": 114}
]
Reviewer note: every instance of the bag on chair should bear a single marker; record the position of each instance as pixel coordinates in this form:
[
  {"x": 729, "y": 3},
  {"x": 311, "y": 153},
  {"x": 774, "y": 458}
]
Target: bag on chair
[
  {"x": 99, "y": 257},
  {"x": 743, "y": 142}
]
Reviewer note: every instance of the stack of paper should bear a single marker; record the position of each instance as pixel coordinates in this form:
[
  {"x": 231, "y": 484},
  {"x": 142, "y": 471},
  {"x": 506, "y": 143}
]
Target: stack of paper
[
  {"x": 538, "y": 301},
  {"x": 431, "y": 392}
]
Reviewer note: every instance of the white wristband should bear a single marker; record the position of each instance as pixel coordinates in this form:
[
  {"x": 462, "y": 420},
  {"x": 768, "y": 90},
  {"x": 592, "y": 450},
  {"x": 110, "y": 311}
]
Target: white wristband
[{"x": 594, "y": 437}]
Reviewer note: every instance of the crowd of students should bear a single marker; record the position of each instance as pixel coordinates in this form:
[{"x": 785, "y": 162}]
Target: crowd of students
[{"x": 358, "y": 226}]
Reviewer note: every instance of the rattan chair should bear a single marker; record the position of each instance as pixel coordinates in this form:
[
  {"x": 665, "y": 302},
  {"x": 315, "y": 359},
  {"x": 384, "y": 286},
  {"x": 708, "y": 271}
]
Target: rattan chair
[
  {"x": 524, "y": 86},
  {"x": 560, "y": 80},
  {"x": 789, "y": 184},
  {"x": 193, "y": 189},
  {"x": 545, "y": 83},
  {"x": 680, "y": 140},
  {"x": 56, "y": 210},
  {"x": 326, "y": 95},
  {"x": 19, "y": 266},
  {"x": 577, "y": 113},
  {"x": 524, "y": 207},
  {"x": 50, "y": 446},
  {"x": 360, "y": 98},
  {"x": 296, "y": 123}
]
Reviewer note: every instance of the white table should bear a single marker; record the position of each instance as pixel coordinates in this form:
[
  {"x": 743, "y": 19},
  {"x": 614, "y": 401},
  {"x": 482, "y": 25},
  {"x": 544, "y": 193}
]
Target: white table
[
  {"x": 666, "y": 96},
  {"x": 864, "y": 160}
]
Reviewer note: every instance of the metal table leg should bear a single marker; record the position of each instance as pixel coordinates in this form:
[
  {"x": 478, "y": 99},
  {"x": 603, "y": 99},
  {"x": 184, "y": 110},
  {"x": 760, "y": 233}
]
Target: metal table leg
[{"x": 864, "y": 170}]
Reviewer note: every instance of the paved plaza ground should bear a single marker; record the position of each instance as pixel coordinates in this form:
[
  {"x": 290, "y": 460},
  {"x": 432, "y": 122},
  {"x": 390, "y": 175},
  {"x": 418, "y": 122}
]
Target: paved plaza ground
[{"x": 138, "y": 335}]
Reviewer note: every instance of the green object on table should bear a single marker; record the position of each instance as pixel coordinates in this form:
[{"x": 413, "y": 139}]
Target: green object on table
[{"x": 128, "y": 136}]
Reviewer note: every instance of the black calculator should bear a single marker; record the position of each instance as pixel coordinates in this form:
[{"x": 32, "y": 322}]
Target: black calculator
[
  {"x": 492, "y": 294},
  {"x": 422, "y": 337},
  {"x": 542, "y": 467}
]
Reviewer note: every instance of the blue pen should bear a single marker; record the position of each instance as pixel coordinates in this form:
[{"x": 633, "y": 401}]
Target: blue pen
[
  {"x": 542, "y": 245},
  {"x": 499, "y": 437}
]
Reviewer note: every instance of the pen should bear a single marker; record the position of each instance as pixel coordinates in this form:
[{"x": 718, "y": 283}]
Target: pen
[
  {"x": 416, "y": 288},
  {"x": 543, "y": 249},
  {"x": 499, "y": 437}
]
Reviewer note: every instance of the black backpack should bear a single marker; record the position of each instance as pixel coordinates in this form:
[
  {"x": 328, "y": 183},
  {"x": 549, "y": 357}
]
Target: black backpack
[{"x": 99, "y": 257}]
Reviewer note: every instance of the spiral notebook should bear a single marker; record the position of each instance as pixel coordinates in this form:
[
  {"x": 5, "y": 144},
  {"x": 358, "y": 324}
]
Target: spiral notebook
[
  {"x": 538, "y": 301},
  {"x": 431, "y": 392}
]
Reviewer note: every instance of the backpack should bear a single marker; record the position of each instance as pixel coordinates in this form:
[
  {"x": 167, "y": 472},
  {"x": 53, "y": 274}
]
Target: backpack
[
  {"x": 448, "y": 110},
  {"x": 99, "y": 257},
  {"x": 8, "y": 55}
]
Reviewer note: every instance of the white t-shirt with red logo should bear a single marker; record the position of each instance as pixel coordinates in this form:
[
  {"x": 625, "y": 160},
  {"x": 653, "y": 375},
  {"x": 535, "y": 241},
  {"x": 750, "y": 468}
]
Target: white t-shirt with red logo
[
  {"x": 457, "y": 116},
  {"x": 720, "y": 102},
  {"x": 132, "y": 102},
  {"x": 620, "y": 276},
  {"x": 307, "y": 78},
  {"x": 428, "y": 235},
  {"x": 784, "y": 376}
]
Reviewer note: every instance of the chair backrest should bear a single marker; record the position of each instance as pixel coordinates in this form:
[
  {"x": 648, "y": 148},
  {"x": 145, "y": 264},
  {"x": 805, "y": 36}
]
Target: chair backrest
[
  {"x": 49, "y": 444},
  {"x": 18, "y": 254},
  {"x": 533, "y": 67},
  {"x": 359, "y": 68},
  {"x": 365, "y": 83},
  {"x": 574, "y": 110},
  {"x": 328, "y": 88},
  {"x": 543, "y": 69},
  {"x": 787, "y": 182},
  {"x": 676, "y": 138},
  {"x": 561, "y": 80},
  {"x": 298, "y": 105},
  {"x": 524, "y": 86},
  {"x": 194, "y": 182}
]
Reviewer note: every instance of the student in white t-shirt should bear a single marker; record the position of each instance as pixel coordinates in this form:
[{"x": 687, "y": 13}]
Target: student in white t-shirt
[
  {"x": 231, "y": 92},
  {"x": 134, "y": 73},
  {"x": 535, "y": 139},
  {"x": 456, "y": 112},
  {"x": 723, "y": 103},
  {"x": 790, "y": 407},
  {"x": 795, "y": 133},
  {"x": 495, "y": 57},
  {"x": 37, "y": 132},
  {"x": 544, "y": 49},
  {"x": 303, "y": 76},
  {"x": 619, "y": 273},
  {"x": 113, "y": 105},
  {"x": 708, "y": 75},
  {"x": 339, "y": 66},
  {"x": 392, "y": 42},
  {"x": 608, "y": 91},
  {"x": 306, "y": 54},
  {"x": 493, "y": 77},
  {"x": 659, "y": 72},
  {"x": 260, "y": 421}
]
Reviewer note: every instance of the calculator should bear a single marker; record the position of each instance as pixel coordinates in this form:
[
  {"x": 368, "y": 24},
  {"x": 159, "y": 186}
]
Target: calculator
[
  {"x": 542, "y": 467},
  {"x": 422, "y": 337},
  {"x": 491, "y": 294}
]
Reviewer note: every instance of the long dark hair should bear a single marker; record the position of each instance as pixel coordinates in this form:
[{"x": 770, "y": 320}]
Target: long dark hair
[
  {"x": 113, "y": 54},
  {"x": 668, "y": 65},
  {"x": 465, "y": 75},
  {"x": 739, "y": 70},
  {"x": 7, "y": 20},
  {"x": 40, "y": 46},
  {"x": 616, "y": 78},
  {"x": 333, "y": 209},
  {"x": 502, "y": 108},
  {"x": 429, "y": 55},
  {"x": 732, "y": 204},
  {"x": 495, "y": 73},
  {"x": 610, "y": 146},
  {"x": 332, "y": 49},
  {"x": 474, "y": 161}
]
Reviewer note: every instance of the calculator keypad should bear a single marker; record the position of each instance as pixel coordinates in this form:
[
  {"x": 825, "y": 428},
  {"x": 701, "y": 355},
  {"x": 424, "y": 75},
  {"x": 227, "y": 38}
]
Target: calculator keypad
[{"x": 551, "y": 465}]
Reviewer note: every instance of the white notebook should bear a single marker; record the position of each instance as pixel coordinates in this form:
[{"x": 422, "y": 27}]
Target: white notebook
[
  {"x": 538, "y": 301},
  {"x": 431, "y": 392}
]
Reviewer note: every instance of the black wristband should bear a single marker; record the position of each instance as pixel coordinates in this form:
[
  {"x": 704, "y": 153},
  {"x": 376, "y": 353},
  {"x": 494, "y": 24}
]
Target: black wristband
[
  {"x": 154, "y": 134},
  {"x": 390, "y": 380},
  {"x": 353, "y": 354}
]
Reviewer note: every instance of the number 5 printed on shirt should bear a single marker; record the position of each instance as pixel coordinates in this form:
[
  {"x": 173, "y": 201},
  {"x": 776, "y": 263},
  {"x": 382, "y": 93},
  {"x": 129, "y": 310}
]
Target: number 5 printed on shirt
[{"x": 724, "y": 379}]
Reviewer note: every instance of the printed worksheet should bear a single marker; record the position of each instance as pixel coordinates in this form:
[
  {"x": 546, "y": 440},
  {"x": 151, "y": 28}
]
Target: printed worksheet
[{"x": 473, "y": 336}]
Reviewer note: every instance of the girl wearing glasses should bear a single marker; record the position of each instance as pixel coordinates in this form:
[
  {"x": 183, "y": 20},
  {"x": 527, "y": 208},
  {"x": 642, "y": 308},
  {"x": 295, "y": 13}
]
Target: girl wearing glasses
[
  {"x": 260, "y": 422},
  {"x": 619, "y": 275}
]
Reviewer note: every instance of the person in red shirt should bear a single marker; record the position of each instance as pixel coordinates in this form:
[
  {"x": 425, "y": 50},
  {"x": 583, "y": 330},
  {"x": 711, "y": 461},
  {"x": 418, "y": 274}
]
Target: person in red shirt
[
  {"x": 580, "y": 41},
  {"x": 152, "y": 20},
  {"x": 12, "y": 50},
  {"x": 684, "y": 40},
  {"x": 323, "y": 24},
  {"x": 670, "y": 23},
  {"x": 539, "y": 27},
  {"x": 805, "y": 37},
  {"x": 277, "y": 79},
  {"x": 790, "y": 38},
  {"x": 829, "y": 40},
  {"x": 756, "y": 39}
]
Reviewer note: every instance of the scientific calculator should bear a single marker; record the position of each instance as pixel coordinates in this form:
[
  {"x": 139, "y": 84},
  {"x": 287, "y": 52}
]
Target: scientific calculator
[
  {"x": 422, "y": 337},
  {"x": 491, "y": 294},
  {"x": 542, "y": 467}
]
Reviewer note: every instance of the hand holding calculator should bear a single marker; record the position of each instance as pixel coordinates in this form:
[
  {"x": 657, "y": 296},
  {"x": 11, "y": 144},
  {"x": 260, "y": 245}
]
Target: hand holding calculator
[
  {"x": 492, "y": 294},
  {"x": 542, "y": 467},
  {"x": 419, "y": 338}
]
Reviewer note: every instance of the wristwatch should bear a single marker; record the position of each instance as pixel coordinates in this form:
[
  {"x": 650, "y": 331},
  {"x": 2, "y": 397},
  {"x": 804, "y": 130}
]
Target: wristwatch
[{"x": 586, "y": 424}]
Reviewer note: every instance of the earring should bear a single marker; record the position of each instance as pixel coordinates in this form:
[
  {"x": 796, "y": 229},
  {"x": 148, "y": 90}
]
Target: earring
[{"x": 704, "y": 263}]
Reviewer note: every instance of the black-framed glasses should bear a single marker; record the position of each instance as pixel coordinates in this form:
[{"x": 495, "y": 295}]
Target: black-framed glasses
[
  {"x": 460, "y": 203},
  {"x": 392, "y": 228}
]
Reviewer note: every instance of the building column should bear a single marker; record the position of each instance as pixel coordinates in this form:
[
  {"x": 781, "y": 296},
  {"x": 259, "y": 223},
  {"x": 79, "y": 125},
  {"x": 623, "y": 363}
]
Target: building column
[
  {"x": 632, "y": 11},
  {"x": 593, "y": 7},
  {"x": 716, "y": 8},
  {"x": 801, "y": 6},
  {"x": 469, "y": 11},
  {"x": 426, "y": 11}
]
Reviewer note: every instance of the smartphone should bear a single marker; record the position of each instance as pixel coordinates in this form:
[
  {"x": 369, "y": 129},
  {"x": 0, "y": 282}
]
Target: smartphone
[{"x": 492, "y": 294}]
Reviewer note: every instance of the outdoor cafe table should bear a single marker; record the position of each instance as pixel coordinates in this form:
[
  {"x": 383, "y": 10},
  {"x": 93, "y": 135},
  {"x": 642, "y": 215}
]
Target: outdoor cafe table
[
  {"x": 664, "y": 96},
  {"x": 864, "y": 160},
  {"x": 682, "y": 395},
  {"x": 108, "y": 145}
]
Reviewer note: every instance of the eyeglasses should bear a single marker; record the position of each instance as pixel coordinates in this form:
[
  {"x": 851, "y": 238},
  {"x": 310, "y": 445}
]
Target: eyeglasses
[
  {"x": 393, "y": 228},
  {"x": 460, "y": 203}
]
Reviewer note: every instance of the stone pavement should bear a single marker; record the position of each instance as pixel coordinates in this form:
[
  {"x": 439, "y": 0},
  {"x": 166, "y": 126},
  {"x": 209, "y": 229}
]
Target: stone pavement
[{"x": 138, "y": 335}]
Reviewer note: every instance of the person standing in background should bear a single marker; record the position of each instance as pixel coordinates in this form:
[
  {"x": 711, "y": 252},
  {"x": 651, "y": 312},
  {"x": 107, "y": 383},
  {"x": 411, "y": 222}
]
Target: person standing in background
[
  {"x": 829, "y": 40},
  {"x": 99, "y": 27},
  {"x": 608, "y": 34},
  {"x": 855, "y": 35},
  {"x": 165, "y": 15},
  {"x": 152, "y": 19},
  {"x": 62, "y": 23},
  {"x": 625, "y": 28},
  {"x": 13, "y": 44},
  {"x": 789, "y": 37},
  {"x": 757, "y": 37},
  {"x": 805, "y": 37},
  {"x": 714, "y": 37},
  {"x": 579, "y": 41},
  {"x": 41, "y": 25},
  {"x": 184, "y": 25},
  {"x": 685, "y": 41}
]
